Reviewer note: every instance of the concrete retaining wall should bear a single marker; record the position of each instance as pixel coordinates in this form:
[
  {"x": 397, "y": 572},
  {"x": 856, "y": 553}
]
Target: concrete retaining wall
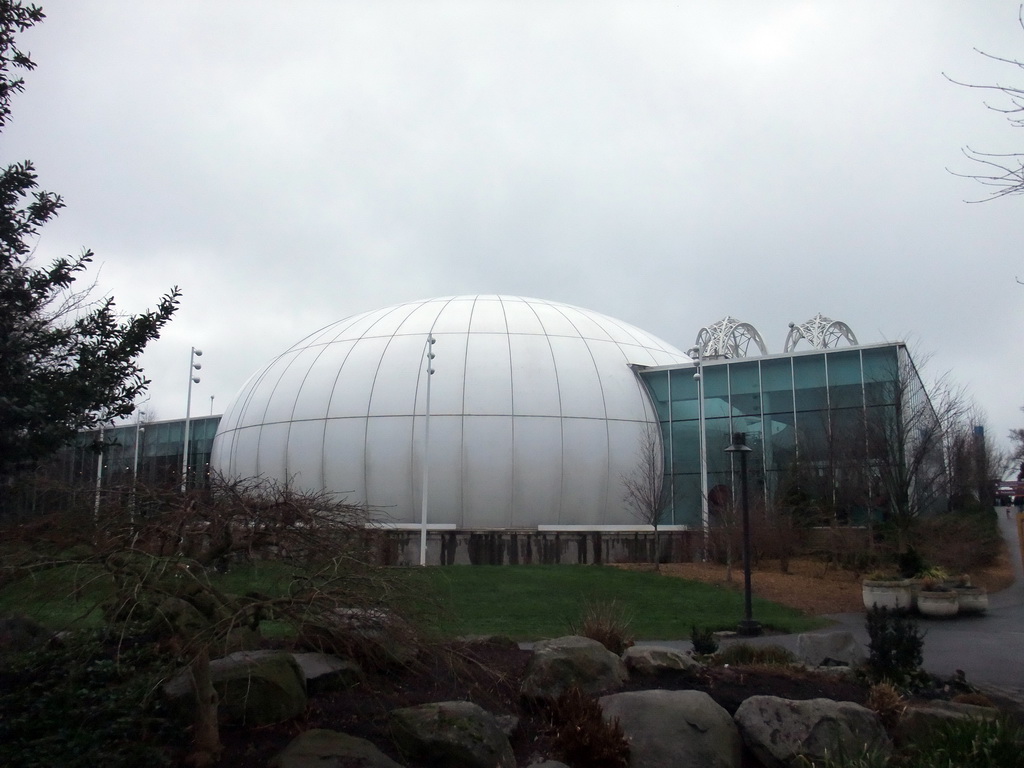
[{"x": 539, "y": 547}]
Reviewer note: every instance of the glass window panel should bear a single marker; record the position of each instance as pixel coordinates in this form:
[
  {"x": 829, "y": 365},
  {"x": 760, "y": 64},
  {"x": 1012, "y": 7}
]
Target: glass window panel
[
  {"x": 777, "y": 385},
  {"x": 745, "y": 388},
  {"x": 685, "y": 446},
  {"x": 881, "y": 370},
  {"x": 719, "y": 437},
  {"x": 809, "y": 379},
  {"x": 716, "y": 381},
  {"x": 812, "y": 436},
  {"x": 779, "y": 439},
  {"x": 657, "y": 387},
  {"x": 684, "y": 395},
  {"x": 686, "y": 501},
  {"x": 844, "y": 379}
]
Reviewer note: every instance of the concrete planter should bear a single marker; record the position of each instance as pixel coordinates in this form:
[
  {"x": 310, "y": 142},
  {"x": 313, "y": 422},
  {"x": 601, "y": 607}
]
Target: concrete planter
[
  {"x": 972, "y": 600},
  {"x": 938, "y": 605},
  {"x": 894, "y": 595}
]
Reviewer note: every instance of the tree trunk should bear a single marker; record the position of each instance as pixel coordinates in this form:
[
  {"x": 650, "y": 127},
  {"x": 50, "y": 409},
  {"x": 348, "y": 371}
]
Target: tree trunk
[{"x": 207, "y": 731}]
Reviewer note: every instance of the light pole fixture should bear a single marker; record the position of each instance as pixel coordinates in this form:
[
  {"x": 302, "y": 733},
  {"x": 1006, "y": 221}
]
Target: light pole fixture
[
  {"x": 192, "y": 379},
  {"x": 428, "y": 357},
  {"x": 697, "y": 355},
  {"x": 748, "y": 626}
]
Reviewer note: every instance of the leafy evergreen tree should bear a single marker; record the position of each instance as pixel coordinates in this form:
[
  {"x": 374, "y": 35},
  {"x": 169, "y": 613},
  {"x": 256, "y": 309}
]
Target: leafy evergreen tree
[{"x": 67, "y": 362}]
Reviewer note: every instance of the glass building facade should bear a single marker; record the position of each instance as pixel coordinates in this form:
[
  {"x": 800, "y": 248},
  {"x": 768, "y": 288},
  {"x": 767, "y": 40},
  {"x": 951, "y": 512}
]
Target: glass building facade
[
  {"x": 157, "y": 462},
  {"x": 824, "y": 424}
]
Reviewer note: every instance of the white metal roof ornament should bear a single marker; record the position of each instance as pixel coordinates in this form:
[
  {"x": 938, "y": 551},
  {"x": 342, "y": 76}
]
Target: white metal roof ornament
[
  {"x": 729, "y": 338},
  {"x": 820, "y": 332}
]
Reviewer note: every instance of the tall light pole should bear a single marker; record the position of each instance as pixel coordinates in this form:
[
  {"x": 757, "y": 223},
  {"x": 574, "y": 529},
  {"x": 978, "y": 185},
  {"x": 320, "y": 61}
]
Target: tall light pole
[
  {"x": 429, "y": 360},
  {"x": 139, "y": 431},
  {"x": 697, "y": 355},
  {"x": 192, "y": 379},
  {"x": 748, "y": 626},
  {"x": 99, "y": 474}
]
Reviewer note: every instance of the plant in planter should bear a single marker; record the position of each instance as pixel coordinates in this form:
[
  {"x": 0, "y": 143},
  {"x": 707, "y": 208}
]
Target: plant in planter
[
  {"x": 926, "y": 574},
  {"x": 937, "y": 599},
  {"x": 886, "y": 589},
  {"x": 970, "y": 599}
]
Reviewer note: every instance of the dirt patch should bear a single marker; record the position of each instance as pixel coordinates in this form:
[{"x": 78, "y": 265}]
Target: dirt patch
[{"x": 811, "y": 585}]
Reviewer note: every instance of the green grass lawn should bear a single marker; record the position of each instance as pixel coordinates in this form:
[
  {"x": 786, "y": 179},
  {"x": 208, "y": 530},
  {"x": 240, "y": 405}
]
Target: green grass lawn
[
  {"x": 523, "y": 602},
  {"x": 531, "y": 602}
]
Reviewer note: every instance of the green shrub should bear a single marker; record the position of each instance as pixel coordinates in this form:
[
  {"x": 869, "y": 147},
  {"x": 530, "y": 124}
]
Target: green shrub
[
  {"x": 83, "y": 705},
  {"x": 704, "y": 641},
  {"x": 745, "y": 654},
  {"x": 970, "y": 743},
  {"x": 894, "y": 646},
  {"x": 910, "y": 563}
]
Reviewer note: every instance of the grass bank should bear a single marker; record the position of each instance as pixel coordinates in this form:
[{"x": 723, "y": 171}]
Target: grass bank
[{"x": 523, "y": 602}]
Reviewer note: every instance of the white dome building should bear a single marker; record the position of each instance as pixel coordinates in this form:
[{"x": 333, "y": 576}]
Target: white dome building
[{"x": 535, "y": 413}]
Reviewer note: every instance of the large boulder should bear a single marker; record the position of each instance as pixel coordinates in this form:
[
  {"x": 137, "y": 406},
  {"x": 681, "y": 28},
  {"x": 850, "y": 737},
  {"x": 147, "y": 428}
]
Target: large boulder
[
  {"x": 252, "y": 688},
  {"x": 652, "y": 660},
  {"x": 566, "y": 662},
  {"x": 778, "y": 731},
  {"x": 457, "y": 734},
  {"x": 830, "y": 648},
  {"x": 666, "y": 729},
  {"x": 321, "y": 748},
  {"x": 324, "y": 673}
]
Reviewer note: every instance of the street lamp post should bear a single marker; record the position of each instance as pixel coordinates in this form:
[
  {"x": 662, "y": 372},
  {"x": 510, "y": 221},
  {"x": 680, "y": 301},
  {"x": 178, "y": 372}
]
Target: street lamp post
[
  {"x": 748, "y": 626},
  {"x": 192, "y": 379},
  {"x": 697, "y": 355},
  {"x": 429, "y": 358}
]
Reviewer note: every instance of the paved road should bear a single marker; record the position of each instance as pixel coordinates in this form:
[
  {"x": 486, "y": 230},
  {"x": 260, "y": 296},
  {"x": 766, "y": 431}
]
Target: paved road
[{"x": 989, "y": 648}]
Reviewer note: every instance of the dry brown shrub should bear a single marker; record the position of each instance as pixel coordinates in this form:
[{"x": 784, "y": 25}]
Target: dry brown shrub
[
  {"x": 582, "y": 737},
  {"x": 606, "y": 622},
  {"x": 976, "y": 699},
  {"x": 886, "y": 701}
]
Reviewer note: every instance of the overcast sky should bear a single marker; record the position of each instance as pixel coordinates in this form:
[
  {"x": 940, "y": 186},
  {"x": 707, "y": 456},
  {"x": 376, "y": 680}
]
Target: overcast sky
[{"x": 665, "y": 163}]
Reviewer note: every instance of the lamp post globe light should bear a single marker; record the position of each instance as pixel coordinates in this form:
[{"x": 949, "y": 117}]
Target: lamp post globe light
[
  {"x": 748, "y": 626},
  {"x": 697, "y": 355},
  {"x": 429, "y": 360},
  {"x": 192, "y": 379}
]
